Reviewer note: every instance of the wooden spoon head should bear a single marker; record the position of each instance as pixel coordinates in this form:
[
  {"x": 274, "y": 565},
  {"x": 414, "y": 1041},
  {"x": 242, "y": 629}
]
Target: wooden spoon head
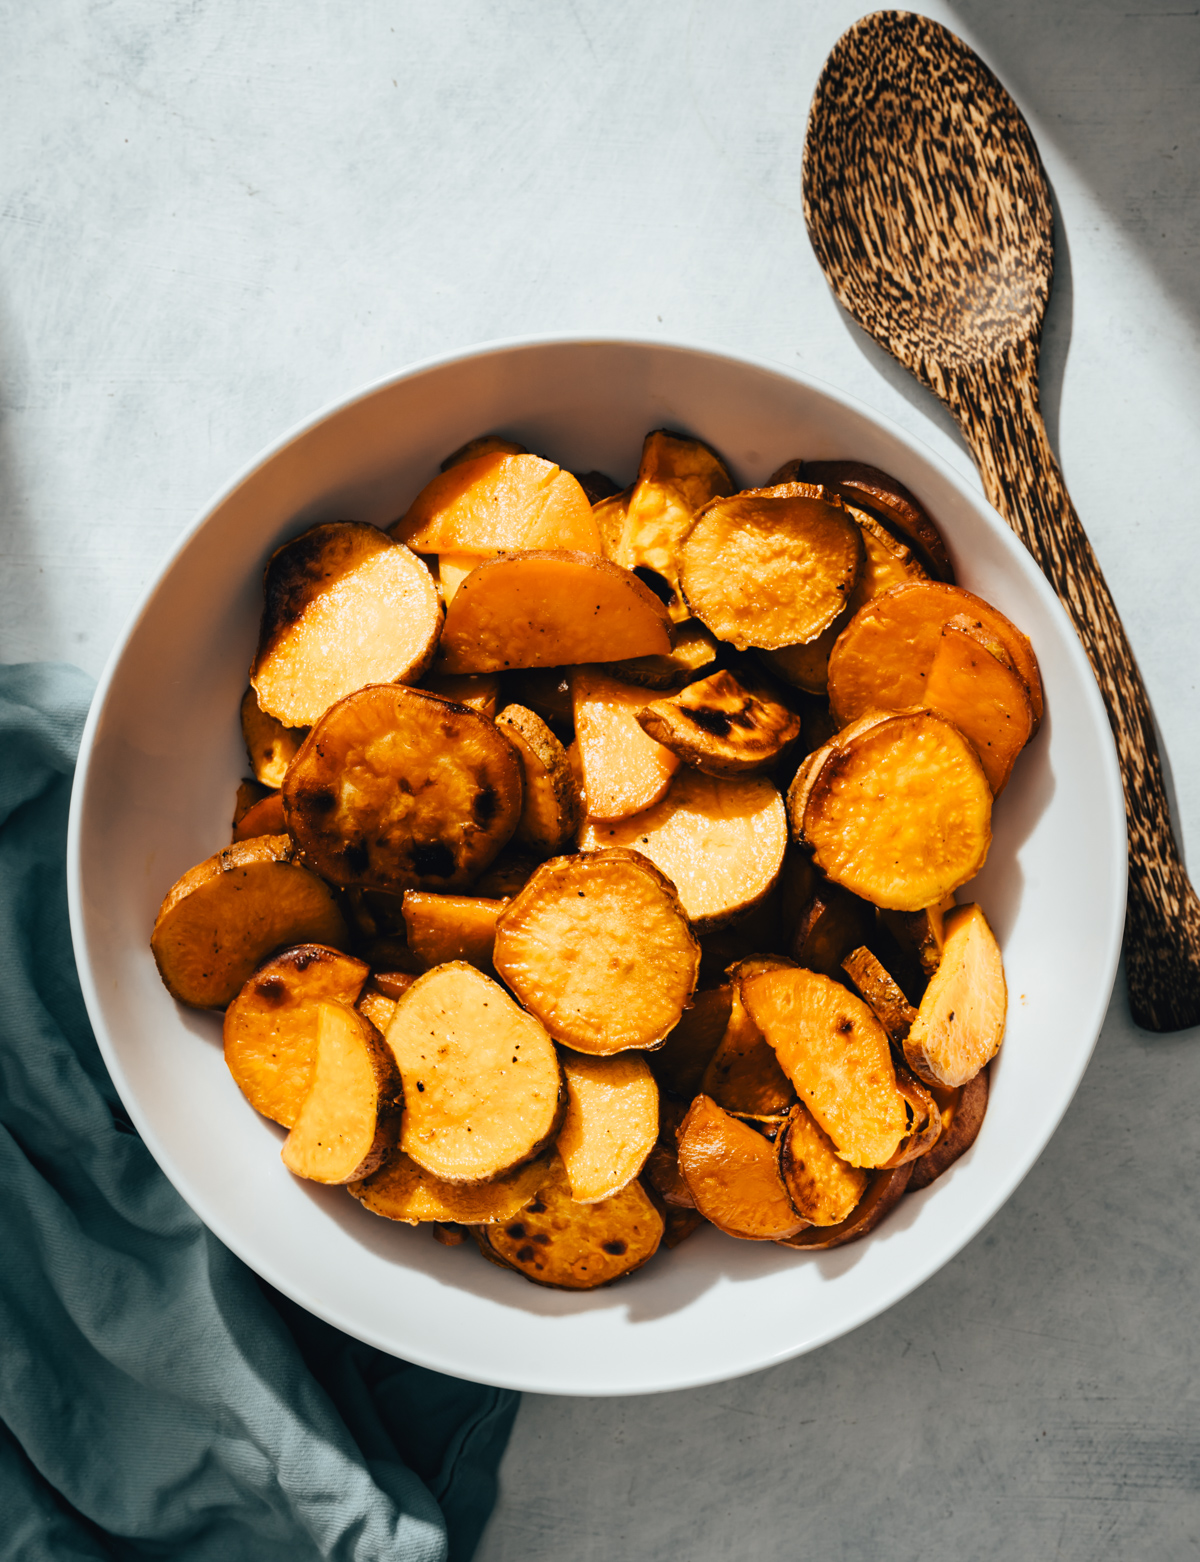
[{"x": 925, "y": 198}]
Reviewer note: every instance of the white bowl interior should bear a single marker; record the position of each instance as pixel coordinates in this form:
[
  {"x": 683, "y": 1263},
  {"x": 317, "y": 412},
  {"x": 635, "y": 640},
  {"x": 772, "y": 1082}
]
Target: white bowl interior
[{"x": 162, "y": 756}]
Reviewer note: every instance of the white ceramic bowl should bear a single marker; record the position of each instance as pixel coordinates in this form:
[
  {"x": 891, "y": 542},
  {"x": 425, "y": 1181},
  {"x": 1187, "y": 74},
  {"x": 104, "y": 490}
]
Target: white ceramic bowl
[{"x": 162, "y": 755}]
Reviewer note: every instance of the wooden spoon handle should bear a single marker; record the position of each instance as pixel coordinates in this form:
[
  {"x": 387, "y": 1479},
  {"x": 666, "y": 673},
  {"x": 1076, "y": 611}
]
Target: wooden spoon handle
[{"x": 996, "y": 404}]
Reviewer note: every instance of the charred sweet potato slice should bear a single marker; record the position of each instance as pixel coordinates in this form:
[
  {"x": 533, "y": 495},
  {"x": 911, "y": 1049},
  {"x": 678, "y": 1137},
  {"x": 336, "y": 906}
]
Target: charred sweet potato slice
[
  {"x": 550, "y": 609},
  {"x": 402, "y": 1190},
  {"x": 884, "y": 1192},
  {"x": 442, "y": 928},
  {"x": 837, "y": 1055},
  {"x": 831, "y": 924},
  {"x": 679, "y": 1063},
  {"x": 962, "y": 1113},
  {"x": 883, "y": 657},
  {"x": 568, "y": 1246},
  {"x": 663, "y": 1175},
  {"x": 483, "y": 445},
  {"x": 862, "y": 485},
  {"x": 822, "y": 1187},
  {"x": 723, "y": 725},
  {"x": 347, "y": 1125},
  {"x": 482, "y": 1085},
  {"x": 772, "y": 566},
  {"x": 720, "y": 841},
  {"x": 925, "y": 1118},
  {"x": 270, "y": 745},
  {"x": 345, "y": 606},
  {"x": 733, "y": 1174},
  {"x": 551, "y": 812},
  {"x": 480, "y": 693},
  {"x": 624, "y": 769},
  {"x": 611, "y": 1123},
  {"x": 876, "y": 986},
  {"x": 270, "y": 1029},
  {"x": 693, "y": 656},
  {"x": 900, "y": 814},
  {"x": 496, "y": 502},
  {"x": 960, "y": 1024},
  {"x": 677, "y": 477},
  {"x": 599, "y": 948},
  {"x": 396, "y": 789},
  {"x": 224, "y": 916},
  {"x": 264, "y": 818},
  {"x": 743, "y": 1074},
  {"x": 971, "y": 682},
  {"x": 680, "y": 1225}
]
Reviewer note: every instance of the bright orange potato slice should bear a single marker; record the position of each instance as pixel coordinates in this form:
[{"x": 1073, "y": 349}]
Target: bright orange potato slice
[
  {"x": 451, "y": 927},
  {"x": 609, "y": 515},
  {"x": 884, "y": 1192},
  {"x": 876, "y": 986},
  {"x": 551, "y": 609},
  {"x": 720, "y": 841},
  {"x": 224, "y": 916},
  {"x": 821, "y": 1186},
  {"x": 960, "y": 1024},
  {"x": 345, "y": 606},
  {"x": 347, "y": 1125},
  {"x": 862, "y": 485},
  {"x": 551, "y": 812},
  {"x": 483, "y": 445},
  {"x": 962, "y": 1118},
  {"x": 497, "y": 502},
  {"x": 270, "y": 745},
  {"x": 743, "y": 1074},
  {"x": 264, "y": 818},
  {"x": 837, "y": 1055},
  {"x": 624, "y": 770},
  {"x": 733, "y": 1173},
  {"x": 611, "y": 1123},
  {"x": 982, "y": 695},
  {"x": 453, "y": 569},
  {"x": 693, "y": 655},
  {"x": 270, "y": 1030},
  {"x": 402, "y": 1190}
]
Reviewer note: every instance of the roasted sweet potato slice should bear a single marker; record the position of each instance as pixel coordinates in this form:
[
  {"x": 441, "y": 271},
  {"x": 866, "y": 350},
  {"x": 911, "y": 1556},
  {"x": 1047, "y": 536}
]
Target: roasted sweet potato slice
[
  {"x": 720, "y": 841},
  {"x": 822, "y": 1187},
  {"x": 920, "y": 934},
  {"x": 883, "y": 1194},
  {"x": 347, "y": 1125},
  {"x": 960, "y": 1024},
  {"x": 598, "y": 486},
  {"x": 899, "y": 813},
  {"x": 270, "y": 1029},
  {"x": 483, "y": 445},
  {"x": 264, "y": 818},
  {"x": 624, "y": 770},
  {"x": 379, "y": 997},
  {"x": 676, "y": 479},
  {"x": 482, "y": 1086},
  {"x": 599, "y": 948},
  {"x": 772, "y": 566},
  {"x": 836, "y": 1054},
  {"x": 862, "y": 485},
  {"x": 546, "y": 691},
  {"x": 270, "y": 745},
  {"x": 723, "y": 725},
  {"x": 568, "y": 1246},
  {"x": 609, "y": 514},
  {"x": 248, "y": 793},
  {"x": 551, "y": 812},
  {"x": 496, "y": 502},
  {"x": 925, "y": 1118},
  {"x": 829, "y": 926},
  {"x": 345, "y": 606},
  {"x": 733, "y": 1174},
  {"x": 962, "y": 1114},
  {"x": 876, "y": 986},
  {"x": 224, "y": 916},
  {"x": 663, "y": 1175},
  {"x": 550, "y": 609},
  {"x": 971, "y": 682},
  {"x": 693, "y": 656},
  {"x": 679, "y": 1063},
  {"x": 611, "y": 1123},
  {"x": 451, "y": 570},
  {"x": 396, "y": 789},
  {"x": 481, "y": 693},
  {"x": 744, "y": 1075},
  {"x": 680, "y": 1225},
  {"x": 883, "y": 657},
  {"x": 451, "y": 927},
  {"x": 402, "y": 1190}
]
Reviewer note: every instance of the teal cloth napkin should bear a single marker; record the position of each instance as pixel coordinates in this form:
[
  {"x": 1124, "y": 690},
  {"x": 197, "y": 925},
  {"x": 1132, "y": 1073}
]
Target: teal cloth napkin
[{"x": 155, "y": 1399}]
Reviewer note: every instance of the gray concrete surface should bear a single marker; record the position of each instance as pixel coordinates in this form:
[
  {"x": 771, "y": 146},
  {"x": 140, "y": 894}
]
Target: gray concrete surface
[{"x": 214, "y": 218}]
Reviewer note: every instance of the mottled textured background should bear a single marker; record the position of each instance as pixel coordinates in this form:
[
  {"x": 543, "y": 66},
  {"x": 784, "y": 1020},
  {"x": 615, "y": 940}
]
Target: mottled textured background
[{"x": 217, "y": 217}]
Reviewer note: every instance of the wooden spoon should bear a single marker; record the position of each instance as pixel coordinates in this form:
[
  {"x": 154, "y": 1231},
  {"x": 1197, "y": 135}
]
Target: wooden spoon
[{"x": 929, "y": 211}]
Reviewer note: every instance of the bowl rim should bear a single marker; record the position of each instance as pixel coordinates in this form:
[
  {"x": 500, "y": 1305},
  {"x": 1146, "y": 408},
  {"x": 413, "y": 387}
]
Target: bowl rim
[{"x": 1111, "y": 781}]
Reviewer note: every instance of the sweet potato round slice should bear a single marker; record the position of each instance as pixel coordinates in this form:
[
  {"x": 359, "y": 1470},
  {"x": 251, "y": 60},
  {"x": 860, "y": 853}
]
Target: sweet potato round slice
[
  {"x": 270, "y": 1030},
  {"x": 442, "y": 928},
  {"x": 743, "y": 1074},
  {"x": 733, "y": 1174},
  {"x": 771, "y": 567},
  {"x": 663, "y": 1175},
  {"x": 347, "y": 1124},
  {"x": 452, "y": 570},
  {"x": 829, "y": 926},
  {"x": 551, "y": 812},
  {"x": 224, "y": 916},
  {"x": 482, "y": 1086},
  {"x": 723, "y": 725},
  {"x": 270, "y": 745},
  {"x": 900, "y": 814},
  {"x": 264, "y": 818},
  {"x": 837, "y": 1055},
  {"x": 550, "y": 609},
  {"x": 883, "y": 1194},
  {"x": 402, "y": 1190},
  {"x": 679, "y": 1063},
  {"x": 960, "y": 1024},
  {"x": 624, "y": 769},
  {"x": 962, "y": 1117},
  {"x": 693, "y": 655},
  {"x": 876, "y": 986},
  {"x": 611, "y": 1123},
  {"x": 983, "y": 696},
  {"x": 599, "y": 948},
  {"x": 882, "y": 658},
  {"x": 395, "y": 789},
  {"x": 720, "y": 841},
  {"x": 822, "y": 1187},
  {"x": 496, "y": 501},
  {"x": 557, "y": 1242},
  {"x": 345, "y": 606},
  {"x": 860, "y": 484}
]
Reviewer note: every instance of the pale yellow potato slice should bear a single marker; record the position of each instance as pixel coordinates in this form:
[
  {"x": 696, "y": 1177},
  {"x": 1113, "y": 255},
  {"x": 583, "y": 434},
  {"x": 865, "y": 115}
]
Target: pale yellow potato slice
[
  {"x": 611, "y": 1123},
  {"x": 720, "y": 841},
  {"x": 624, "y": 770},
  {"x": 347, "y": 1125},
  {"x": 551, "y": 811},
  {"x": 402, "y": 1190},
  {"x": 960, "y": 1023}
]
